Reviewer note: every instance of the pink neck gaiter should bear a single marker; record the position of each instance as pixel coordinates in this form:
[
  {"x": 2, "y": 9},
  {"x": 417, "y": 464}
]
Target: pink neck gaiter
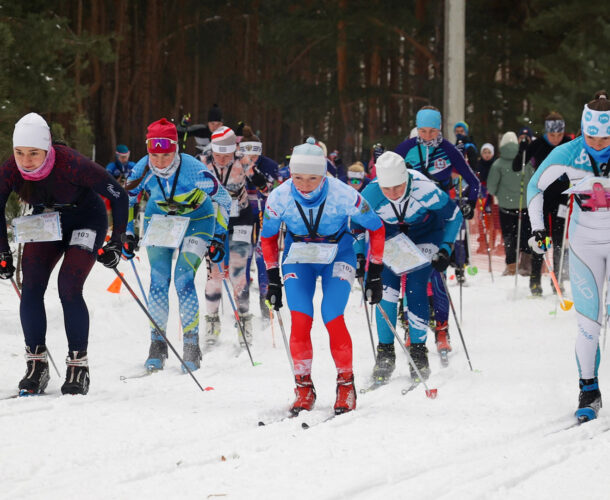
[{"x": 41, "y": 172}]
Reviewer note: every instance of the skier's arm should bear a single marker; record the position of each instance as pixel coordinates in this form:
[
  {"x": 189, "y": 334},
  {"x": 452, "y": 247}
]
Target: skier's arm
[
  {"x": 461, "y": 167},
  {"x": 270, "y": 232},
  {"x": 219, "y": 195},
  {"x": 544, "y": 176},
  {"x": 453, "y": 222},
  {"x": 518, "y": 160},
  {"x": 368, "y": 219}
]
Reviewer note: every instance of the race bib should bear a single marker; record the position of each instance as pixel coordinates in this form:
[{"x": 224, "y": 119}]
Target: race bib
[
  {"x": 562, "y": 211},
  {"x": 242, "y": 233},
  {"x": 84, "y": 238},
  {"x": 428, "y": 249},
  {"x": 194, "y": 245},
  {"x": 344, "y": 271},
  {"x": 311, "y": 253},
  {"x": 165, "y": 231},
  {"x": 37, "y": 228},
  {"x": 234, "y": 208},
  {"x": 402, "y": 256}
]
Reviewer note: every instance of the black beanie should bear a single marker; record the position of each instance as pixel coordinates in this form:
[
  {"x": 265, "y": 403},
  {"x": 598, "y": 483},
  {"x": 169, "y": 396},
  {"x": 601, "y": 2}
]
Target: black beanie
[{"x": 215, "y": 114}]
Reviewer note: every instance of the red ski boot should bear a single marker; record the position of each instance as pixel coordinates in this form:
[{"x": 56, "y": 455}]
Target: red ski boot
[
  {"x": 442, "y": 336},
  {"x": 305, "y": 394},
  {"x": 346, "y": 393}
]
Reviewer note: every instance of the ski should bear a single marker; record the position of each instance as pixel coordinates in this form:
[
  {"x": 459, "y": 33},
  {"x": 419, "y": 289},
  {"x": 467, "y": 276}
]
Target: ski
[
  {"x": 374, "y": 386},
  {"x": 12, "y": 396},
  {"x": 305, "y": 425},
  {"x": 290, "y": 416},
  {"x": 138, "y": 375},
  {"x": 413, "y": 385}
]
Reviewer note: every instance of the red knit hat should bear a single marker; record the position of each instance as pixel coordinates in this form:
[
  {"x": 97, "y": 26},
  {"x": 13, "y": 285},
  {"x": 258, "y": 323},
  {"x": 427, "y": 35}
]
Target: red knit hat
[{"x": 162, "y": 129}]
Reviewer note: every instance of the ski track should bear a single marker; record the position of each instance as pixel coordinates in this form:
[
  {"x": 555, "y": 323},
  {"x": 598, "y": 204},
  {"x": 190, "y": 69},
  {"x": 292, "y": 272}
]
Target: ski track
[{"x": 495, "y": 433}]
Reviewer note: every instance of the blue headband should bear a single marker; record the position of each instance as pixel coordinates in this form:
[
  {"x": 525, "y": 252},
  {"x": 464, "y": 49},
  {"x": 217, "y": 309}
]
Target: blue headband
[{"x": 428, "y": 118}]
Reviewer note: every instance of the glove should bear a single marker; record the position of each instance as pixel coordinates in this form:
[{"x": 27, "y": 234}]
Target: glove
[
  {"x": 130, "y": 245},
  {"x": 404, "y": 229},
  {"x": 110, "y": 254},
  {"x": 258, "y": 179},
  {"x": 467, "y": 208},
  {"x": 361, "y": 265},
  {"x": 216, "y": 249},
  {"x": 539, "y": 242},
  {"x": 523, "y": 145},
  {"x": 440, "y": 260},
  {"x": 274, "y": 289},
  {"x": 373, "y": 288},
  {"x": 6, "y": 266}
]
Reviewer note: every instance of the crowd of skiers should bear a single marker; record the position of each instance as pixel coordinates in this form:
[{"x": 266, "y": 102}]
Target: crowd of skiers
[{"x": 394, "y": 226}]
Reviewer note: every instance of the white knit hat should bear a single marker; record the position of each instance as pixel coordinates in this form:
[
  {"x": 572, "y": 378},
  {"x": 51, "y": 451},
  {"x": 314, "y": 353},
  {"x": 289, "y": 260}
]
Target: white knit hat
[
  {"x": 489, "y": 146},
  {"x": 391, "y": 169},
  {"x": 509, "y": 137},
  {"x": 224, "y": 140},
  {"x": 32, "y": 131},
  {"x": 308, "y": 159}
]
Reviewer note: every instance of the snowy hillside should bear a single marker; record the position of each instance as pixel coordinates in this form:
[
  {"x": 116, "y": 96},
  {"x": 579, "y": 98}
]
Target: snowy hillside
[{"x": 488, "y": 435}]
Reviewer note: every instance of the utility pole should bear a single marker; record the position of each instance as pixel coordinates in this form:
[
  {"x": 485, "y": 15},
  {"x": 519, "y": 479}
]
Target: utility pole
[{"x": 454, "y": 77}]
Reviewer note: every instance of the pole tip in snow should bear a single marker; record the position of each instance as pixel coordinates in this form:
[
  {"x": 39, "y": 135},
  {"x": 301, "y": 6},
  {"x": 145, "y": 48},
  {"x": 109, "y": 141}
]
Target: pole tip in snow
[
  {"x": 257, "y": 363},
  {"x": 208, "y": 388},
  {"x": 431, "y": 393},
  {"x": 472, "y": 270},
  {"x": 566, "y": 305}
]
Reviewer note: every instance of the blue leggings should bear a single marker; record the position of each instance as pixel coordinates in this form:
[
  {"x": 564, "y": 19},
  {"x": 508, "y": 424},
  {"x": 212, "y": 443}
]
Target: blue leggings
[{"x": 184, "y": 280}]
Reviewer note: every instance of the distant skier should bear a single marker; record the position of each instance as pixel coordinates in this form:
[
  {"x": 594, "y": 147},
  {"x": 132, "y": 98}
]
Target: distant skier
[
  {"x": 411, "y": 206},
  {"x": 121, "y": 167},
  {"x": 585, "y": 158},
  {"x": 178, "y": 185},
  {"x": 56, "y": 179},
  {"x": 316, "y": 210}
]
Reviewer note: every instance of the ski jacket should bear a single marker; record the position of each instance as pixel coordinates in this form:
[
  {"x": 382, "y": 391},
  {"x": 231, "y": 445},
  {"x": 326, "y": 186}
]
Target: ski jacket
[
  {"x": 572, "y": 160},
  {"x": 117, "y": 169},
  {"x": 504, "y": 183},
  {"x": 437, "y": 164},
  {"x": 187, "y": 189},
  {"x": 424, "y": 210},
  {"x": 328, "y": 214},
  {"x": 268, "y": 168},
  {"x": 74, "y": 185}
]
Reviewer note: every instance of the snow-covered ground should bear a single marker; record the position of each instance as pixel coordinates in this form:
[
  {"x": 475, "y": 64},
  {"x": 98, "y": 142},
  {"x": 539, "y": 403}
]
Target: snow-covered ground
[{"x": 489, "y": 434}]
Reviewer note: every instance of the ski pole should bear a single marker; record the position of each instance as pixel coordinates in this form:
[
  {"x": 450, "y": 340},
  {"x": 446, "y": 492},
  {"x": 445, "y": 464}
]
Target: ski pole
[
  {"x": 565, "y": 304},
  {"x": 156, "y": 327},
  {"x": 431, "y": 393},
  {"x": 456, "y": 321},
  {"x": 520, "y": 216},
  {"x": 368, "y": 319},
  {"x": 279, "y": 319},
  {"x": 48, "y": 352},
  {"x": 486, "y": 239},
  {"x": 563, "y": 244},
  {"x": 236, "y": 314},
  {"x": 133, "y": 266}
]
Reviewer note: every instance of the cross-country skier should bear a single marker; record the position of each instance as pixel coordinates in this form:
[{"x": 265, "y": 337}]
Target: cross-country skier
[
  {"x": 177, "y": 185},
  {"x": 436, "y": 158},
  {"x": 224, "y": 161},
  {"x": 585, "y": 161},
  {"x": 316, "y": 210},
  {"x": 121, "y": 167},
  {"x": 58, "y": 181},
  {"x": 410, "y": 205}
]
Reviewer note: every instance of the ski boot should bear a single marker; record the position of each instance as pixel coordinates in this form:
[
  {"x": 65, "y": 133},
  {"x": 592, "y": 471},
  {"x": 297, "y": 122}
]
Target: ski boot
[
  {"x": 157, "y": 355},
  {"x": 264, "y": 311},
  {"x": 212, "y": 329},
  {"x": 535, "y": 287},
  {"x": 346, "y": 393},
  {"x": 305, "y": 394},
  {"x": 443, "y": 346},
  {"x": 460, "y": 276},
  {"x": 77, "y": 374},
  {"x": 385, "y": 364},
  {"x": 37, "y": 372},
  {"x": 589, "y": 400},
  {"x": 191, "y": 353},
  {"x": 246, "y": 327},
  {"x": 419, "y": 354}
]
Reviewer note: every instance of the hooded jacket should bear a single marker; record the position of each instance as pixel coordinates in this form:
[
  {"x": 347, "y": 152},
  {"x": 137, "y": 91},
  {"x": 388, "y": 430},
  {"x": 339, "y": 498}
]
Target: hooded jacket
[{"x": 504, "y": 183}]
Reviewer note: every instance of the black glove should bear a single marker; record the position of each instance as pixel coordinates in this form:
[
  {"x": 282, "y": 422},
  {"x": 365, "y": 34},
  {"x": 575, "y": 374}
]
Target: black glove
[
  {"x": 110, "y": 254},
  {"x": 523, "y": 145},
  {"x": 440, "y": 260},
  {"x": 216, "y": 249},
  {"x": 258, "y": 179},
  {"x": 274, "y": 289},
  {"x": 373, "y": 288},
  {"x": 130, "y": 245},
  {"x": 360, "y": 266},
  {"x": 404, "y": 229},
  {"x": 6, "y": 266},
  {"x": 467, "y": 208},
  {"x": 540, "y": 242}
]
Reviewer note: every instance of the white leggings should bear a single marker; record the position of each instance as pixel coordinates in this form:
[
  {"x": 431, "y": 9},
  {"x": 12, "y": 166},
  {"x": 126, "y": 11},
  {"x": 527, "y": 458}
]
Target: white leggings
[{"x": 589, "y": 262}]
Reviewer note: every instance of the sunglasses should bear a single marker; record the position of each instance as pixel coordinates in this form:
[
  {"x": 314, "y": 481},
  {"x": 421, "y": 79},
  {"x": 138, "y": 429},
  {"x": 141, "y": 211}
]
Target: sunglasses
[
  {"x": 355, "y": 181},
  {"x": 160, "y": 143}
]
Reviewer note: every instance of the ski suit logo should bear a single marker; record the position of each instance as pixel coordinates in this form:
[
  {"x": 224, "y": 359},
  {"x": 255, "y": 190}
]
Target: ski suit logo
[{"x": 111, "y": 189}]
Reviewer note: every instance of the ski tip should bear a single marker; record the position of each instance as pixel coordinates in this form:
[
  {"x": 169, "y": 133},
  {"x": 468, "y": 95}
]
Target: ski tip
[
  {"x": 304, "y": 425},
  {"x": 432, "y": 393},
  {"x": 261, "y": 423}
]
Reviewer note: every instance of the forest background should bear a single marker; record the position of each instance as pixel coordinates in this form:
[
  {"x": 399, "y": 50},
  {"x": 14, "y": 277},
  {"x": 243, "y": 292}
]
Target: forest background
[{"x": 352, "y": 73}]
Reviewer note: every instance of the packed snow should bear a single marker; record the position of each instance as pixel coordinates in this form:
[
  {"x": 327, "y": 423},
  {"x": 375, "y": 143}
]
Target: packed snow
[{"x": 497, "y": 432}]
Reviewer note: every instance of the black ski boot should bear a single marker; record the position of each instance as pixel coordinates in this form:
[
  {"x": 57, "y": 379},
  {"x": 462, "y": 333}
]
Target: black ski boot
[
  {"x": 191, "y": 354},
  {"x": 419, "y": 354},
  {"x": 589, "y": 400},
  {"x": 264, "y": 310},
  {"x": 460, "y": 276},
  {"x": 535, "y": 286},
  {"x": 77, "y": 374},
  {"x": 385, "y": 364},
  {"x": 37, "y": 373},
  {"x": 157, "y": 355}
]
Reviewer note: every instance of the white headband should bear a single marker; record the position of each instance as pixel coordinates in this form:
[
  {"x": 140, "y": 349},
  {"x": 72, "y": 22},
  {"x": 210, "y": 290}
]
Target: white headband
[
  {"x": 217, "y": 148},
  {"x": 355, "y": 175},
  {"x": 251, "y": 148},
  {"x": 595, "y": 123}
]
